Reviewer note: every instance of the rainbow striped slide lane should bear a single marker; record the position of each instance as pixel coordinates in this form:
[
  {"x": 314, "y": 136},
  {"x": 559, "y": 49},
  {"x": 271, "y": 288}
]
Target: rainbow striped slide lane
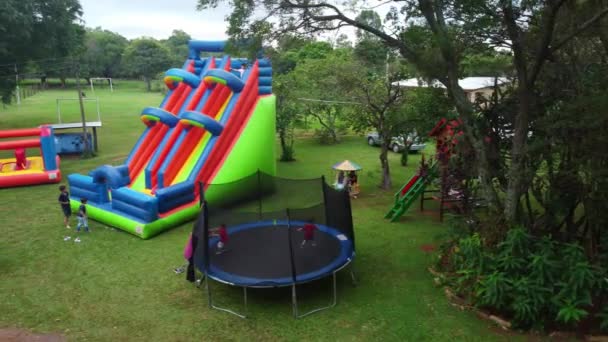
[{"x": 215, "y": 125}]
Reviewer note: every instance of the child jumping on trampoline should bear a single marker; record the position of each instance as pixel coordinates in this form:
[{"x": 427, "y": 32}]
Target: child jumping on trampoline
[
  {"x": 223, "y": 235},
  {"x": 309, "y": 234}
]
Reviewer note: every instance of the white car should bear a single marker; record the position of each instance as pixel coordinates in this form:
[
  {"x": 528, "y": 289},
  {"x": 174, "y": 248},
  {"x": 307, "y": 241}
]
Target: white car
[{"x": 396, "y": 145}]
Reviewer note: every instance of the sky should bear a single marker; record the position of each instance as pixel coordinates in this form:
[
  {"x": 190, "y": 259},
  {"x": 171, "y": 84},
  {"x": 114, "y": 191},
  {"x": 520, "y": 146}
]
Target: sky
[
  {"x": 154, "y": 18},
  {"x": 158, "y": 18}
]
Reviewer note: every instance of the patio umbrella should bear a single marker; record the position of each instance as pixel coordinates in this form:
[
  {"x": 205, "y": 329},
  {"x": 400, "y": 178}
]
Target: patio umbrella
[{"x": 347, "y": 165}]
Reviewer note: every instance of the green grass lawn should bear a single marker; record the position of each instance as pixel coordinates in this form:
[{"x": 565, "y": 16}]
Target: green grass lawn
[{"x": 116, "y": 287}]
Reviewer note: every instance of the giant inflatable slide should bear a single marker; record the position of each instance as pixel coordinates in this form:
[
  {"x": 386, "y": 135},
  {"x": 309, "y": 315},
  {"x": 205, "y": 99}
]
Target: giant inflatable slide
[{"x": 216, "y": 125}]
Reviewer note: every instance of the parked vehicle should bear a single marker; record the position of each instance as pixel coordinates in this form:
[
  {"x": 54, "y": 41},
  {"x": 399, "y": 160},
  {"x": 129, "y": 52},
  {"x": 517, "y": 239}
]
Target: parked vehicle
[{"x": 397, "y": 144}]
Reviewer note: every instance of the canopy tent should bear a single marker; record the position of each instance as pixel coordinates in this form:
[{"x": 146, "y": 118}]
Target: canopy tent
[
  {"x": 349, "y": 181},
  {"x": 347, "y": 165}
]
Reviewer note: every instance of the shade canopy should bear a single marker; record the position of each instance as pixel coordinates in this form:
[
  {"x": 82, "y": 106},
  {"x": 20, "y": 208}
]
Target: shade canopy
[{"x": 347, "y": 165}]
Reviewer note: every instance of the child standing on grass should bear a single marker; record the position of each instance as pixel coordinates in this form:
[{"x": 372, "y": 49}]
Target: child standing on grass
[
  {"x": 82, "y": 216},
  {"x": 64, "y": 200}
]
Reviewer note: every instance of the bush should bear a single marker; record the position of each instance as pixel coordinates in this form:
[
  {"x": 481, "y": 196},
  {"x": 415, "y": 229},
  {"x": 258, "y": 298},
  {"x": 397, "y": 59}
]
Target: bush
[{"x": 535, "y": 282}]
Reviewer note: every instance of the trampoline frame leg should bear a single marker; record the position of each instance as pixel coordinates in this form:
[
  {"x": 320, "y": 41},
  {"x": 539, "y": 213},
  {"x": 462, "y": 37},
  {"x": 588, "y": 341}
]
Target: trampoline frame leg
[
  {"x": 213, "y": 306},
  {"x": 353, "y": 276},
  {"x": 332, "y": 303}
]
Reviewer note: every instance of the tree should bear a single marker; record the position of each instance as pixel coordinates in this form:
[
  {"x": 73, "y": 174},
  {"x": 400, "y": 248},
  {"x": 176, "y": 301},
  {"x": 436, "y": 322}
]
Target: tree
[
  {"x": 58, "y": 35},
  {"x": 103, "y": 55},
  {"x": 319, "y": 83},
  {"x": 288, "y": 112},
  {"x": 368, "y": 48},
  {"x": 529, "y": 29},
  {"x": 379, "y": 107},
  {"x": 45, "y": 31},
  {"x": 146, "y": 57},
  {"x": 177, "y": 44},
  {"x": 421, "y": 109}
]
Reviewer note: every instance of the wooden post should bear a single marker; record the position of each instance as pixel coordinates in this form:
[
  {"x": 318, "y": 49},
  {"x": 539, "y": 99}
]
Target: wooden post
[
  {"x": 17, "y": 92},
  {"x": 87, "y": 149}
]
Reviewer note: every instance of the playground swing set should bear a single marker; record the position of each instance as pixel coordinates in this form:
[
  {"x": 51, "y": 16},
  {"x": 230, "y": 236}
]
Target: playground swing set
[{"x": 450, "y": 193}]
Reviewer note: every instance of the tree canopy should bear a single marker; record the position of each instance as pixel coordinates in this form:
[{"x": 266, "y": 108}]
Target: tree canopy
[
  {"x": 45, "y": 31},
  {"x": 146, "y": 57}
]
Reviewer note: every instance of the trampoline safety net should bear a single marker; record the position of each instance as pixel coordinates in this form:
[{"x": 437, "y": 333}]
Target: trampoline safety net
[{"x": 267, "y": 244}]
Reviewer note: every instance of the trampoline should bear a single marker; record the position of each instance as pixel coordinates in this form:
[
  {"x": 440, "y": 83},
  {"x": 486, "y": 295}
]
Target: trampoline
[
  {"x": 255, "y": 253},
  {"x": 264, "y": 247}
]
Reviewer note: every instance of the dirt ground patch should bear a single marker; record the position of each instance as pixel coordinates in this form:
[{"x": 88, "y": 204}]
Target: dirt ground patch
[{"x": 19, "y": 335}]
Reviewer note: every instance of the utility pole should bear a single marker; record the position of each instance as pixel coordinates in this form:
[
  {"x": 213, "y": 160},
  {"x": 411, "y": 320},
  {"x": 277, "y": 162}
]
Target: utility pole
[
  {"x": 87, "y": 149},
  {"x": 18, "y": 93}
]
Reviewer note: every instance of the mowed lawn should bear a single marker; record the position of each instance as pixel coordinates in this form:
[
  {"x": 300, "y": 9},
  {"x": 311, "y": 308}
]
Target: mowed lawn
[{"x": 115, "y": 287}]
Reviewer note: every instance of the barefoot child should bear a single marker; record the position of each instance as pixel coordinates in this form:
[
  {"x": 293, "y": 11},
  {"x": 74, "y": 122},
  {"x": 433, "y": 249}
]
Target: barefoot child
[
  {"x": 82, "y": 216},
  {"x": 64, "y": 200}
]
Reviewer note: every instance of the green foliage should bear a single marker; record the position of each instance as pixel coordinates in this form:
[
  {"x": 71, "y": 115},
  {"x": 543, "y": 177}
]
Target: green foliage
[
  {"x": 103, "y": 55},
  {"x": 177, "y": 44},
  {"x": 146, "y": 57},
  {"x": 288, "y": 113},
  {"x": 46, "y": 31},
  {"x": 486, "y": 64},
  {"x": 538, "y": 282}
]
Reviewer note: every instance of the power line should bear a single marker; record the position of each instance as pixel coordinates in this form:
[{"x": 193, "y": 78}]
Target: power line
[
  {"x": 327, "y": 101},
  {"x": 35, "y": 61}
]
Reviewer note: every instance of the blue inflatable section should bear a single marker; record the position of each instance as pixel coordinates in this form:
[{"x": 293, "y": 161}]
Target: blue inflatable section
[
  {"x": 135, "y": 203},
  {"x": 189, "y": 78},
  {"x": 83, "y": 187},
  {"x": 113, "y": 176},
  {"x": 208, "y": 122},
  {"x": 175, "y": 195},
  {"x": 195, "y": 47},
  {"x": 232, "y": 81},
  {"x": 162, "y": 115}
]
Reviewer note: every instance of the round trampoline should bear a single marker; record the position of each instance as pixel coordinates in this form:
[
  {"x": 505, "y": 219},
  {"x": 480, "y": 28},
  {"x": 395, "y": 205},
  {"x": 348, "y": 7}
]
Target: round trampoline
[
  {"x": 259, "y": 254},
  {"x": 263, "y": 216}
]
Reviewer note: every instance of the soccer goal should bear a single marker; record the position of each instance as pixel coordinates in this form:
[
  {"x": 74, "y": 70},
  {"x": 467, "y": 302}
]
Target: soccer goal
[{"x": 97, "y": 79}]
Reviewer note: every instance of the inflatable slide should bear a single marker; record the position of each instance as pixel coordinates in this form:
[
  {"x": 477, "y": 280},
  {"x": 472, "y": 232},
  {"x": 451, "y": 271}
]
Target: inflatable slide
[
  {"x": 215, "y": 125},
  {"x": 24, "y": 170}
]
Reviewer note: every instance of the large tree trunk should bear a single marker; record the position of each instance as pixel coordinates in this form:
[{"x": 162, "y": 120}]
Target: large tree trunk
[
  {"x": 386, "y": 140},
  {"x": 517, "y": 169},
  {"x": 465, "y": 109},
  {"x": 386, "y": 173},
  {"x": 286, "y": 149}
]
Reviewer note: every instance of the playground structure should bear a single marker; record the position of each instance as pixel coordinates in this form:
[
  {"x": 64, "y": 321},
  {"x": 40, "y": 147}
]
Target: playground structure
[
  {"x": 23, "y": 170},
  {"x": 213, "y": 126},
  {"x": 70, "y": 143},
  {"x": 446, "y": 133}
]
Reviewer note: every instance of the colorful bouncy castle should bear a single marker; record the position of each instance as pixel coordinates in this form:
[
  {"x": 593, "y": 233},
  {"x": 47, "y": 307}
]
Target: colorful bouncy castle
[
  {"x": 23, "y": 170},
  {"x": 215, "y": 125}
]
